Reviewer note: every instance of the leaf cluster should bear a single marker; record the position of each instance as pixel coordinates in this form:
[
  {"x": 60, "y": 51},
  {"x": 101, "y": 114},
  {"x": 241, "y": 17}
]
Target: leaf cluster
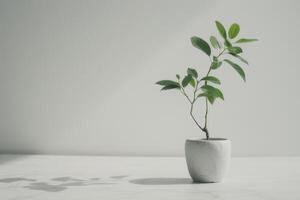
[{"x": 207, "y": 86}]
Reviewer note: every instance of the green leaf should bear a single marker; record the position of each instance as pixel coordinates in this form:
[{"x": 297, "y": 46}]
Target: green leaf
[
  {"x": 186, "y": 80},
  {"x": 237, "y": 68},
  {"x": 210, "y": 97},
  {"x": 214, "y": 42},
  {"x": 192, "y": 72},
  {"x": 193, "y": 82},
  {"x": 213, "y": 91},
  {"x": 203, "y": 95},
  {"x": 221, "y": 29},
  {"x": 167, "y": 82},
  {"x": 211, "y": 79},
  {"x": 227, "y": 43},
  {"x": 244, "y": 40},
  {"x": 233, "y": 30},
  {"x": 240, "y": 58},
  {"x": 235, "y": 50},
  {"x": 215, "y": 64},
  {"x": 169, "y": 87},
  {"x": 201, "y": 44}
]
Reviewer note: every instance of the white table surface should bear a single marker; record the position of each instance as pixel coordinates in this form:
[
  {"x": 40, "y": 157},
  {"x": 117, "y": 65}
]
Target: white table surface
[{"x": 104, "y": 178}]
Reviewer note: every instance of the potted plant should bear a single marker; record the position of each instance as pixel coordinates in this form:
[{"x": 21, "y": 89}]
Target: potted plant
[{"x": 208, "y": 159}]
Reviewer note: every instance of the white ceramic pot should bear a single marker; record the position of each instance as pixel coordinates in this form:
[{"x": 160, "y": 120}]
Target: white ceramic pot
[{"x": 208, "y": 160}]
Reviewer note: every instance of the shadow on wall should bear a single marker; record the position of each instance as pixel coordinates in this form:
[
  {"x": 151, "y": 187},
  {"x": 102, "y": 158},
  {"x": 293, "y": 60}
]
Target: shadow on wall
[{"x": 48, "y": 78}]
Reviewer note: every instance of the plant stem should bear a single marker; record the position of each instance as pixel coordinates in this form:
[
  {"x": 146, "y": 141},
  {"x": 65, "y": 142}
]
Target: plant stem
[
  {"x": 206, "y": 101},
  {"x": 221, "y": 52},
  {"x": 184, "y": 93},
  {"x": 191, "y": 113},
  {"x": 205, "y": 125},
  {"x": 206, "y": 110},
  {"x": 192, "y": 104},
  {"x": 192, "y": 101}
]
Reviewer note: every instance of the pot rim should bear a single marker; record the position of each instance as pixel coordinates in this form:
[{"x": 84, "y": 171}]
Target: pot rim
[{"x": 208, "y": 140}]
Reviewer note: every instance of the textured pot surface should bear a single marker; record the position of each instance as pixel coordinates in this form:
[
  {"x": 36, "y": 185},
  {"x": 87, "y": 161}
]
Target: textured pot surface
[{"x": 208, "y": 160}]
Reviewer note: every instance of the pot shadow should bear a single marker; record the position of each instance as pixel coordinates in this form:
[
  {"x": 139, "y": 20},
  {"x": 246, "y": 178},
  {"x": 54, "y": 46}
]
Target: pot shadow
[
  {"x": 162, "y": 181},
  {"x": 119, "y": 177}
]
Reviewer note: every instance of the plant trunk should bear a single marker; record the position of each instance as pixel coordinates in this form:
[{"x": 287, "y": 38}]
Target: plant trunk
[{"x": 206, "y": 133}]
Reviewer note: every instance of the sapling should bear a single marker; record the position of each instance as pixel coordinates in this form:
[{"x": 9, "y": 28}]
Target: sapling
[{"x": 206, "y": 86}]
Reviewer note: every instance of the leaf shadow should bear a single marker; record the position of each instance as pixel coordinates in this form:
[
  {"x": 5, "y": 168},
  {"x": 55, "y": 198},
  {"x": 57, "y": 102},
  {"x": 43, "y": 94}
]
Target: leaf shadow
[{"x": 62, "y": 183}]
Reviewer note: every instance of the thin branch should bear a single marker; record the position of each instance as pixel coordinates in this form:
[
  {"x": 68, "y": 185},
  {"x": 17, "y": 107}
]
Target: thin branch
[
  {"x": 184, "y": 93},
  {"x": 221, "y": 52},
  {"x": 193, "y": 100},
  {"x": 206, "y": 112},
  {"x": 191, "y": 113},
  {"x": 192, "y": 106},
  {"x": 192, "y": 103},
  {"x": 206, "y": 100}
]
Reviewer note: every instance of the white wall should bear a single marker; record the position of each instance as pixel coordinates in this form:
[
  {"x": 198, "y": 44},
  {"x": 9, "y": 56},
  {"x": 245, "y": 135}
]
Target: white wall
[{"x": 77, "y": 77}]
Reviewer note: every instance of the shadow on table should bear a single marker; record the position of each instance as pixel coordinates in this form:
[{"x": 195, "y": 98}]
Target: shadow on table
[
  {"x": 162, "y": 181},
  {"x": 48, "y": 187},
  {"x": 59, "y": 184},
  {"x": 5, "y": 158}
]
